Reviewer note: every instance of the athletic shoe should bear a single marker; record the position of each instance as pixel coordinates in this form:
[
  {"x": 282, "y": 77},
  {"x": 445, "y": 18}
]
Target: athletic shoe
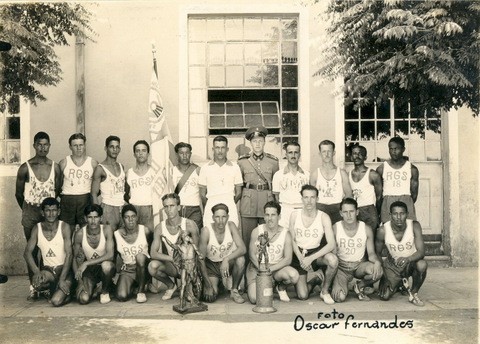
[
  {"x": 169, "y": 293},
  {"x": 235, "y": 295},
  {"x": 33, "y": 295},
  {"x": 3, "y": 278},
  {"x": 141, "y": 298},
  {"x": 105, "y": 298},
  {"x": 327, "y": 298},
  {"x": 416, "y": 300},
  {"x": 283, "y": 295},
  {"x": 361, "y": 295}
]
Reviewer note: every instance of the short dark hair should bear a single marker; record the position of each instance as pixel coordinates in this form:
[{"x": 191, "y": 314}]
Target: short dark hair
[
  {"x": 77, "y": 136},
  {"x": 291, "y": 143},
  {"x": 220, "y": 138},
  {"x": 399, "y": 204},
  {"x": 362, "y": 148},
  {"x": 180, "y": 145},
  {"x": 349, "y": 200},
  {"x": 93, "y": 208},
  {"x": 326, "y": 143},
  {"x": 398, "y": 140},
  {"x": 172, "y": 195},
  {"x": 273, "y": 204},
  {"x": 141, "y": 142},
  {"x": 129, "y": 207},
  {"x": 219, "y": 206},
  {"x": 40, "y": 136},
  {"x": 308, "y": 187},
  {"x": 48, "y": 202},
  {"x": 111, "y": 138}
]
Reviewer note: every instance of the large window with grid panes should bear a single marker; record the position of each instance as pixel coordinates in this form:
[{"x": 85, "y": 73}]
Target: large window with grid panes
[
  {"x": 243, "y": 72},
  {"x": 374, "y": 124}
]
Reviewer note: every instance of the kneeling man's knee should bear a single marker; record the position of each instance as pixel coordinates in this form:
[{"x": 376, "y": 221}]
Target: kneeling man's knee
[
  {"x": 332, "y": 260},
  {"x": 422, "y": 265}
]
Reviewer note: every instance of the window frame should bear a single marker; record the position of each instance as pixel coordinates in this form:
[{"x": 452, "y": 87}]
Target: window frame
[
  {"x": 10, "y": 170},
  {"x": 303, "y": 65}
]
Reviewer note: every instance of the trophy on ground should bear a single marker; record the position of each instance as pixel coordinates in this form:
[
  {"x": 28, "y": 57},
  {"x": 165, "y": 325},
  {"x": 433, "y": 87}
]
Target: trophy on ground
[
  {"x": 264, "y": 281},
  {"x": 185, "y": 258}
]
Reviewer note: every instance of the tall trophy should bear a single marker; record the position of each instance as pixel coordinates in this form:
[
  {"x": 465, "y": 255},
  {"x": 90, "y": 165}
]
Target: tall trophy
[
  {"x": 185, "y": 258},
  {"x": 264, "y": 278}
]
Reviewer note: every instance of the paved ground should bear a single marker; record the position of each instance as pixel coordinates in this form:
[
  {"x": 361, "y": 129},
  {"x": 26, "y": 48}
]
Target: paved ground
[{"x": 450, "y": 315}]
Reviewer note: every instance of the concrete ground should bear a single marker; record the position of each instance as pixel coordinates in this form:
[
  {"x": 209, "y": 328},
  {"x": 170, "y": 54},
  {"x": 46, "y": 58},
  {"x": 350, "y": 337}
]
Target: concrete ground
[{"x": 450, "y": 315}]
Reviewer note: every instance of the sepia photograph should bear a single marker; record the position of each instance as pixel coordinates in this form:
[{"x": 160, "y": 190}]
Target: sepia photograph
[{"x": 207, "y": 171}]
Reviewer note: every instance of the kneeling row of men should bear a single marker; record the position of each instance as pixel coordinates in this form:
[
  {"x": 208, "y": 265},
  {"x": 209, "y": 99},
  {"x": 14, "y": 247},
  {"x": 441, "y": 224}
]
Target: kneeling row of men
[{"x": 349, "y": 250}]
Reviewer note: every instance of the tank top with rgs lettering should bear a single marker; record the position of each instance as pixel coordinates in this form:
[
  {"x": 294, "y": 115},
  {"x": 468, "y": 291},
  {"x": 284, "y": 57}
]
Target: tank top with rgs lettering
[
  {"x": 308, "y": 237},
  {"x": 403, "y": 248},
  {"x": 216, "y": 251},
  {"x": 276, "y": 247}
]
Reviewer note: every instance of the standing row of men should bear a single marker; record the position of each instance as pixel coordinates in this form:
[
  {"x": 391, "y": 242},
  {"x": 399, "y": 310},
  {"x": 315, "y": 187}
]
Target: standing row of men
[{"x": 254, "y": 181}]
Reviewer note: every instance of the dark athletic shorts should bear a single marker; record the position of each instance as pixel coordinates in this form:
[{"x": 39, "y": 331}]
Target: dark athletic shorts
[
  {"x": 369, "y": 215},
  {"x": 296, "y": 263},
  {"x": 72, "y": 207},
  {"x": 213, "y": 268},
  {"x": 393, "y": 274}
]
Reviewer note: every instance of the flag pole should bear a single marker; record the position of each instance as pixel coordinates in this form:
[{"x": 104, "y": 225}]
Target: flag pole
[{"x": 154, "y": 53}]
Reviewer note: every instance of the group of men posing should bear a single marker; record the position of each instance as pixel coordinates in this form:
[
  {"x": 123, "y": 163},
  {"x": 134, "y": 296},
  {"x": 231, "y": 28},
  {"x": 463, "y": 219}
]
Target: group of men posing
[{"x": 322, "y": 229}]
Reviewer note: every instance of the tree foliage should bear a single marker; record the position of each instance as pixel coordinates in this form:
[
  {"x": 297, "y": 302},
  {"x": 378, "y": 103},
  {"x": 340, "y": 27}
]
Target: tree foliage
[
  {"x": 34, "y": 29},
  {"x": 422, "y": 52}
]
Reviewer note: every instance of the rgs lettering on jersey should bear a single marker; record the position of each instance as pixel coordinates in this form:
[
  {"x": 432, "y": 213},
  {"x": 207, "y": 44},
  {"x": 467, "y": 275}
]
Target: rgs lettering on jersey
[
  {"x": 400, "y": 247},
  {"x": 306, "y": 232},
  {"x": 344, "y": 243},
  {"x": 78, "y": 174},
  {"x": 141, "y": 182},
  {"x": 396, "y": 177},
  {"x": 222, "y": 250},
  {"x": 133, "y": 250}
]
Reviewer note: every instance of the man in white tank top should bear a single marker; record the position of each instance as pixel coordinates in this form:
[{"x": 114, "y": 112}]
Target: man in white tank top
[
  {"x": 400, "y": 180},
  {"x": 109, "y": 182},
  {"x": 331, "y": 182},
  {"x": 224, "y": 250},
  {"x": 77, "y": 172},
  {"x": 308, "y": 227},
  {"x": 139, "y": 186},
  {"x": 279, "y": 251},
  {"x": 404, "y": 241},
  {"x": 356, "y": 253},
  {"x": 367, "y": 188},
  {"x": 37, "y": 179},
  {"x": 288, "y": 182},
  {"x": 185, "y": 178},
  {"x": 53, "y": 238},
  {"x": 132, "y": 245},
  {"x": 163, "y": 265},
  {"x": 93, "y": 250}
]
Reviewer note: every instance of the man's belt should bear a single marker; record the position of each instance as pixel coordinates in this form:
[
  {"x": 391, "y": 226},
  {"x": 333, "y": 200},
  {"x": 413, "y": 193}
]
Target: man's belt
[{"x": 257, "y": 186}]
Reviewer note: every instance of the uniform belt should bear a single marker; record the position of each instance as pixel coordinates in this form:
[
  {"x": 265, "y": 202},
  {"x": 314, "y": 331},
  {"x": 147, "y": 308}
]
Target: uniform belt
[{"x": 257, "y": 186}]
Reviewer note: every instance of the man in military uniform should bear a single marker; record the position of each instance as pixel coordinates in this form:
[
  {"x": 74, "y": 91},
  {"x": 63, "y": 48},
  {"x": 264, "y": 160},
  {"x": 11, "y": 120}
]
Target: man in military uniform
[{"x": 257, "y": 169}]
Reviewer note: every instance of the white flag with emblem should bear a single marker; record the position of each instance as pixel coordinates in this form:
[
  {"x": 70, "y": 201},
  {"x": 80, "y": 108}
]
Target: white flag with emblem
[{"x": 160, "y": 147}]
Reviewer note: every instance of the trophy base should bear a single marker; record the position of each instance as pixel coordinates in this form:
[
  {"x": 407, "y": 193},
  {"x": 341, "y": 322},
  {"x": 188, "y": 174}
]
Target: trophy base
[
  {"x": 264, "y": 309},
  {"x": 190, "y": 309}
]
